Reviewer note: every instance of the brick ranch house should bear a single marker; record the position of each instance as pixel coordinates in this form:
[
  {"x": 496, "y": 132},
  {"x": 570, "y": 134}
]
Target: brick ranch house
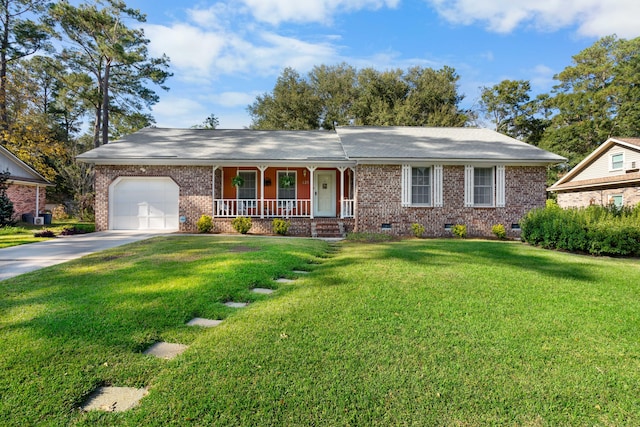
[
  {"x": 609, "y": 175},
  {"x": 363, "y": 179},
  {"x": 27, "y": 189}
]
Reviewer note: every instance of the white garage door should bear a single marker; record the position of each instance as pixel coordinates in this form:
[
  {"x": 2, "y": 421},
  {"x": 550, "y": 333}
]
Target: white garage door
[{"x": 144, "y": 204}]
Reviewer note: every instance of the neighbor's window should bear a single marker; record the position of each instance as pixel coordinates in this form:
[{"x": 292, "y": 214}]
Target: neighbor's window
[
  {"x": 248, "y": 189},
  {"x": 483, "y": 186},
  {"x": 616, "y": 200},
  {"x": 616, "y": 161},
  {"x": 421, "y": 186}
]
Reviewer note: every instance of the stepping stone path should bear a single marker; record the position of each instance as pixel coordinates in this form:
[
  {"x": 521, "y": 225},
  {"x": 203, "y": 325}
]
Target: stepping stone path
[
  {"x": 205, "y": 323},
  {"x": 300, "y": 272},
  {"x": 114, "y": 399},
  {"x": 263, "y": 291},
  {"x": 165, "y": 350},
  {"x": 284, "y": 280},
  {"x": 236, "y": 304}
]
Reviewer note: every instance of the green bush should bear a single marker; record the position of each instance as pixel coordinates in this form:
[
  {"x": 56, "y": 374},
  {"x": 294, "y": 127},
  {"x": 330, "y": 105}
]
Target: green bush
[
  {"x": 241, "y": 224},
  {"x": 280, "y": 226},
  {"x": 205, "y": 224},
  {"x": 418, "y": 229},
  {"x": 499, "y": 231},
  {"x": 598, "y": 230},
  {"x": 459, "y": 230}
]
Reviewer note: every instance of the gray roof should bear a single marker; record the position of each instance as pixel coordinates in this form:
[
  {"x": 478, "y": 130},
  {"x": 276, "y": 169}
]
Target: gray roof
[
  {"x": 207, "y": 146},
  {"x": 19, "y": 170},
  {"x": 431, "y": 143},
  {"x": 345, "y": 145}
]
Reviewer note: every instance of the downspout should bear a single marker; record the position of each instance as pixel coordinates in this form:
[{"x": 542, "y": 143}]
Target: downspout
[{"x": 37, "y": 200}]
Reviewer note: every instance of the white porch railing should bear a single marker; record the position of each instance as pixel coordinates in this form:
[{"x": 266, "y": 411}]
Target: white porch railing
[
  {"x": 269, "y": 208},
  {"x": 347, "y": 208}
]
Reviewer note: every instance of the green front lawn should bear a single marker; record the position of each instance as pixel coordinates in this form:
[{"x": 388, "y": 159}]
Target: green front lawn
[
  {"x": 418, "y": 332},
  {"x": 22, "y": 233}
]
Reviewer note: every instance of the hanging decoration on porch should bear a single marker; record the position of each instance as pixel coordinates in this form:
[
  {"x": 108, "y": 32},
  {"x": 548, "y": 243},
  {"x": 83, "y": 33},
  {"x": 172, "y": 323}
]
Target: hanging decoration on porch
[
  {"x": 287, "y": 180},
  {"x": 237, "y": 181}
]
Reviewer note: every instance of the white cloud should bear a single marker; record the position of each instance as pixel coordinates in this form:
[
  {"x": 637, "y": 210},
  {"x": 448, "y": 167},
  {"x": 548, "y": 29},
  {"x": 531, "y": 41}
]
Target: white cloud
[
  {"x": 322, "y": 11},
  {"x": 234, "y": 99},
  {"x": 593, "y": 18},
  {"x": 188, "y": 47},
  {"x": 542, "y": 78},
  {"x": 178, "y": 112}
]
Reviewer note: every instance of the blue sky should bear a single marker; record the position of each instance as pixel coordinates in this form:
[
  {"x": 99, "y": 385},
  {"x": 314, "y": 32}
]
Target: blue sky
[{"x": 225, "y": 53}]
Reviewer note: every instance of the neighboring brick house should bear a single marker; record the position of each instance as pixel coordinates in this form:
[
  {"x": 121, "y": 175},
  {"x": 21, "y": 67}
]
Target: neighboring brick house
[
  {"x": 609, "y": 175},
  {"x": 27, "y": 188},
  {"x": 364, "y": 179}
]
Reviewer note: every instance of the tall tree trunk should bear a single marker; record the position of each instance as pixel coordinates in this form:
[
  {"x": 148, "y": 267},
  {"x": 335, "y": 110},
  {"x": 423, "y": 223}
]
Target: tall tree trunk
[
  {"x": 4, "y": 47},
  {"x": 105, "y": 103},
  {"x": 96, "y": 127}
]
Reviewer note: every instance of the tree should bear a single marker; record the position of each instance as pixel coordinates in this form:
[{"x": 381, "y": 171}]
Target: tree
[
  {"x": 115, "y": 56},
  {"x": 20, "y": 37},
  {"x": 597, "y": 97},
  {"x": 210, "y": 122},
  {"x": 341, "y": 95},
  {"x": 6, "y": 205},
  {"x": 335, "y": 87},
  {"x": 293, "y": 105},
  {"x": 509, "y": 107}
]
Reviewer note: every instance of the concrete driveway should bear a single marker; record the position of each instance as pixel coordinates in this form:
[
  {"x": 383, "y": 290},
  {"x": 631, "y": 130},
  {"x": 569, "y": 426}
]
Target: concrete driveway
[{"x": 24, "y": 258}]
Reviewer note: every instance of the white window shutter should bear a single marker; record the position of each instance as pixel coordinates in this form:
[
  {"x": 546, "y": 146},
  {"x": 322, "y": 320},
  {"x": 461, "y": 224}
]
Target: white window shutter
[
  {"x": 406, "y": 185},
  {"x": 468, "y": 186},
  {"x": 500, "y": 187},
  {"x": 437, "y": 186}
]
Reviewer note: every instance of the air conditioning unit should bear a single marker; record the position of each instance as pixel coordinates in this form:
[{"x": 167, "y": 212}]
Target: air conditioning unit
[
  {"x": 631, "y": 166},
  {"x": 39, "y": 220}
]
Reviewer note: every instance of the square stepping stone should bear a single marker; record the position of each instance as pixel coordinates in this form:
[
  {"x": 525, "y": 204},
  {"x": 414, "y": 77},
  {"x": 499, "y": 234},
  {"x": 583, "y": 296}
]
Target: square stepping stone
[
  {"x": 114, "y": 399},
  {"x": 300, "y": 272},
  {"x": 263, "y": 291},
  {"x": 166, "y": 350},
  {"x": 236, "y": 304},
  {"x": 205, "y": 323},
  {"x": 284, "y": 280}
]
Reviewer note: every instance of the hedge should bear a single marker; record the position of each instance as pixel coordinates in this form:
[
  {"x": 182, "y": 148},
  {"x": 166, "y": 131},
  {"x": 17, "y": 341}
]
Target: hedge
[{"x": 598, "y": 230}]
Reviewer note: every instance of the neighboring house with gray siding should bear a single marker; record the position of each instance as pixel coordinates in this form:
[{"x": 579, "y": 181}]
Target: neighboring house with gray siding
[
  {"x": 27, "y": 188},
  {"x": 609, "y": 175},
  {"x": 363, "y": 179}
]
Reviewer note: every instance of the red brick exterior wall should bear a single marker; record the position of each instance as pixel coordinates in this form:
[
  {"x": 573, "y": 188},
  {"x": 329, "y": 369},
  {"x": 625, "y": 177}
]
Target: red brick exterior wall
[
  {"x": 297, "y": 227},
  {"x": 23, "y": 198},
  {"x": 194, "y": 182},
  {"x": 378, "y": 201},
  {"x": 574, "y": 199}
]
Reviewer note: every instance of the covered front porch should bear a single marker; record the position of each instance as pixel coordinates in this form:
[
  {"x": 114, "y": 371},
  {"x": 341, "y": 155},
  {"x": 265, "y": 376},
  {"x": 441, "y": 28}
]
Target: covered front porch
[{"x": 283, "y": 191}]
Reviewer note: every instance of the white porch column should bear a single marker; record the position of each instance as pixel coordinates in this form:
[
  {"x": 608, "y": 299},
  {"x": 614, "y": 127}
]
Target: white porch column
[
  {"x": 213, "y": 190},
  {"x": 312, "y": 189},
  {"x": 342, "y": 169},
  {"x": 262, "y": 168}
]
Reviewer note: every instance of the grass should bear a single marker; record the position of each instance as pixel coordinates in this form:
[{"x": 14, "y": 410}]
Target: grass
[
  {"x": 418, "y": 332},
  {"x": 22, "y": 233}
]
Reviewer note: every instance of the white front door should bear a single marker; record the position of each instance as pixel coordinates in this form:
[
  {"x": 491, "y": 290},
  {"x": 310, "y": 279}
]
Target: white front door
[{"x": 325, "y": 194}]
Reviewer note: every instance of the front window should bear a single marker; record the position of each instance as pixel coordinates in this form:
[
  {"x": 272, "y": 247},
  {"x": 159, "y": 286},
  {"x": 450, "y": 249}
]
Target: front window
[
  {"x": 616, "y": 161},
  {"x": 286, "y": 185},
  {"x": 421, "y": 186},
  {"x": 483, "y": 186},
  {"x": 249, "y": 187}
]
